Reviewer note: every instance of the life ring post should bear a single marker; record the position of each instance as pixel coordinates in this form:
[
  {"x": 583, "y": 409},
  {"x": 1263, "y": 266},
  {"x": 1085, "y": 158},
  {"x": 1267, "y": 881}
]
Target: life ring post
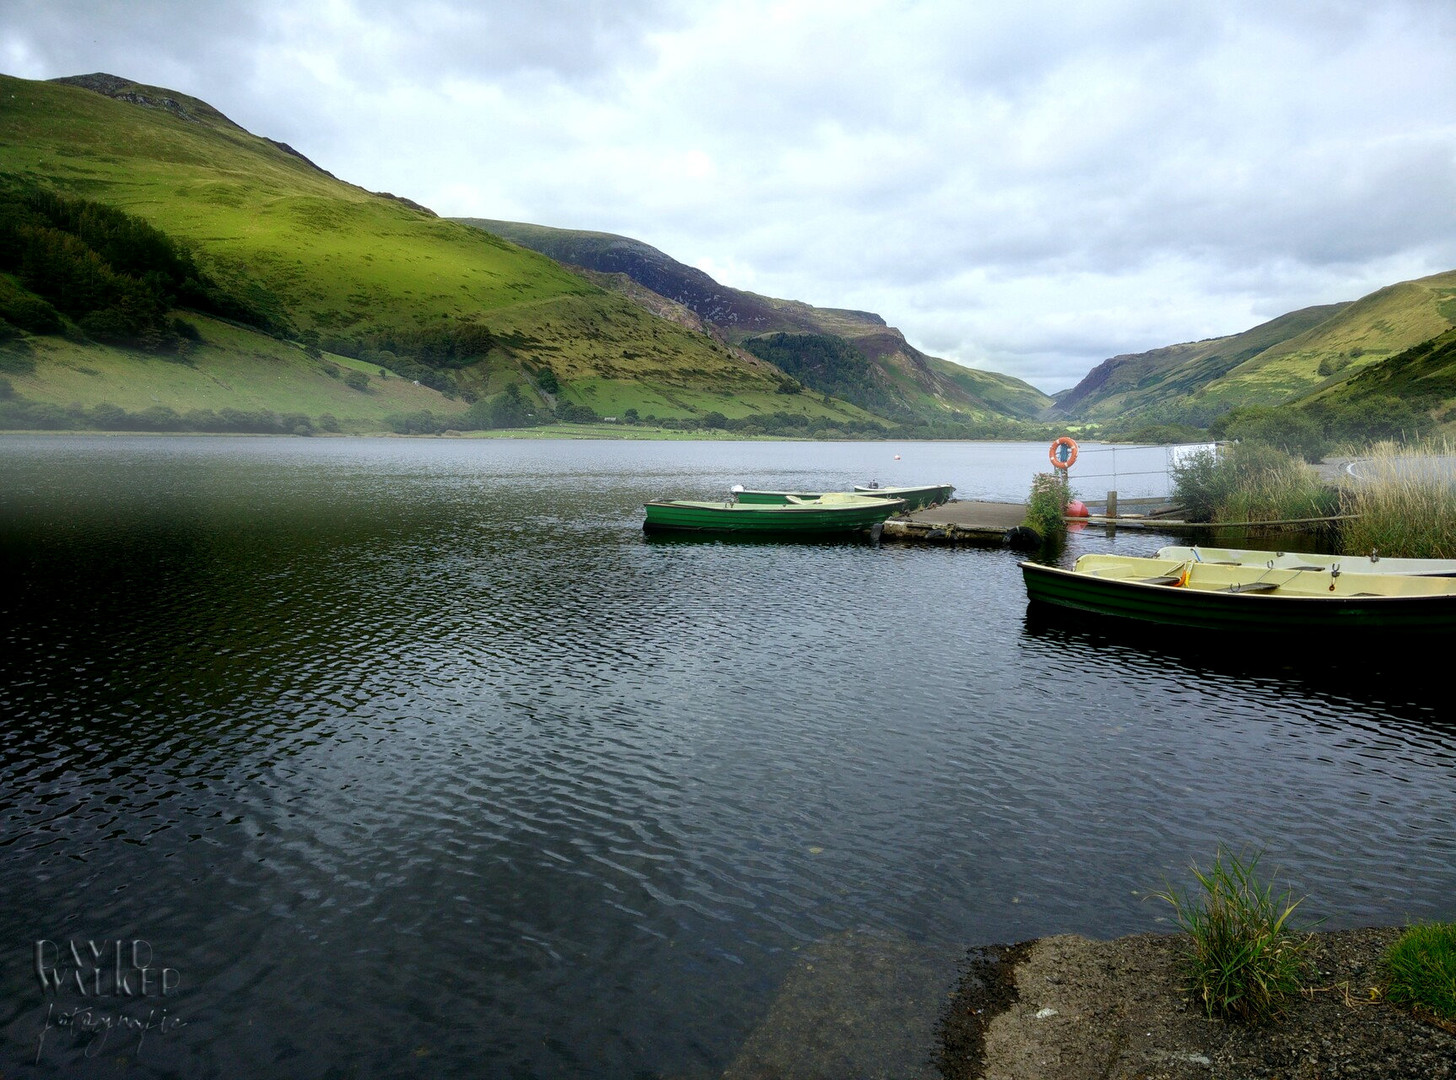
[{"x": 1063, "y": 453}]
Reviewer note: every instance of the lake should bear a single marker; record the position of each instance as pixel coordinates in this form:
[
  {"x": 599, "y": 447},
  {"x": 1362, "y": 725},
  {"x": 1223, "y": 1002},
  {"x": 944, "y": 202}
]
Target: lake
[{"x": 391, "y": 757}]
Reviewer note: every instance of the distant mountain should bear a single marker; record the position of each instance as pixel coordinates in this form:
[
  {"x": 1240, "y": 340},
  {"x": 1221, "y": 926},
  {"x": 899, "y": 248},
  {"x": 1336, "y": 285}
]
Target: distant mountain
[
  {"x": 876, "y": 369},
  {"x": 309, "y": 279},
  {"x": 1287, "y": 359}
]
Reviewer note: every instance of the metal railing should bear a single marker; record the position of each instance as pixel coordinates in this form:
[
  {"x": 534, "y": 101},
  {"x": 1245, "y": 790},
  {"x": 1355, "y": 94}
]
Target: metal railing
[{"x": 1105, "y": 458}]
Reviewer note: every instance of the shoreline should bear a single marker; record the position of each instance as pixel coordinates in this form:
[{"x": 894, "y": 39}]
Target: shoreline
[{"x": 1073, "y": 1008}]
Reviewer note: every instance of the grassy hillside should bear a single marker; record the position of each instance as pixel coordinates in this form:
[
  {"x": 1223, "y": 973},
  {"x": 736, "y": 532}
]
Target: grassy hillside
[
  {"x": 239, "y": 370},
  {"x": 353, "y": 272},
  {"x": 1359, "y": 335},
  {"x": 1131, "y": 383},
  {"x": 880, "y": 370},
  {"x": 1284, "y": 360},
  {"x": 1412, "y": 393}
]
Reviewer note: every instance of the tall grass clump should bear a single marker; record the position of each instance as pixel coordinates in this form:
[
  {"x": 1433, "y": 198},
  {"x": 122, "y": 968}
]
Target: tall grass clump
[
  {"x": 1250, "y": 481},
  {"x": 1405, "y": 505},
  {"x": 1421, "y": 968},
  {"x": 1046, "y": 509},
  {"x": 1242, "y": 958}
]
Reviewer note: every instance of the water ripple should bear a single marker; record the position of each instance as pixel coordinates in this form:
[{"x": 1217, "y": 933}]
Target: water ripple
[{"x": 424, "y": 746}]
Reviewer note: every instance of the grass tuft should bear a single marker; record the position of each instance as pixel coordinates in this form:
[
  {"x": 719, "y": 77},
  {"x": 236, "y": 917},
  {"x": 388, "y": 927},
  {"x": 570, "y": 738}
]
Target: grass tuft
[
  {"x": 1242, "y": 957},
  {"x": 1421, "y": 967},
  {"x": 1405, "y": 504}
]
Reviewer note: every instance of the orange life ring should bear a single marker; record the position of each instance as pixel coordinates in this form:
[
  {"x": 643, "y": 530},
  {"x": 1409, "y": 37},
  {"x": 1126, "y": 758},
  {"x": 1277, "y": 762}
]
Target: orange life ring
[{"x": 1071, "y": 457}]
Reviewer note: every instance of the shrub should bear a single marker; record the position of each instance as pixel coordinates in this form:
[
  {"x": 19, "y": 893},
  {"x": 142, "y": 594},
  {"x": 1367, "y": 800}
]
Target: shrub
[
  {"x": 576, "y": 414},
  {"x": 356, "y": 380},
  {"x": 508, "y": 409},
  {"x": 29, "y": 312},
  {"x": 1241, "y": 958},
  {"x": 423, "y": 422},
  {"x": 1293, "y": 431},
  {"x": 1252, "y": 481},
  {"x": 108, "y": 416},
  {"x": 1046, "y": 509},
  {"x": 1421, "y": 968}
]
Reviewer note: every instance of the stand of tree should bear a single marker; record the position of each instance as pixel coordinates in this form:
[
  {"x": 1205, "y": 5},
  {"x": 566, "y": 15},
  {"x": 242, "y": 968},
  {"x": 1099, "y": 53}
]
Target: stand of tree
[{"x": 113, "y": 276}]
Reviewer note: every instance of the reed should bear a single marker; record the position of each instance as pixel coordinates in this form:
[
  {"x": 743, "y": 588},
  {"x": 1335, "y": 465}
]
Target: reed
[
  {"x": 1241, "y": 958},
  {"x": 1404, "y": 504},
  {"x": 1421, "y": 968}
]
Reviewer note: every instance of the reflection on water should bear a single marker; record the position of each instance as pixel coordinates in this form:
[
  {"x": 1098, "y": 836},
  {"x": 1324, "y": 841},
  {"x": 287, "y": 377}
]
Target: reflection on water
[
  {"x": 1392, "y": 677},
  {"x": 418, "y": 757}
]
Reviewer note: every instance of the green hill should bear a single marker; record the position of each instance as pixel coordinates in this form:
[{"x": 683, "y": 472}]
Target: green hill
[
  {"x": 322, "y": 278},
  {"x": 873, "y": 365},
  {"x": 1285, "y": 360}
]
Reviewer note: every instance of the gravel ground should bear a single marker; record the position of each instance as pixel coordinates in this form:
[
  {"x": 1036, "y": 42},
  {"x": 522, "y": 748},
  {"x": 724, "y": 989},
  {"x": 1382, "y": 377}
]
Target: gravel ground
[{"x": 1068, "y": 1008}]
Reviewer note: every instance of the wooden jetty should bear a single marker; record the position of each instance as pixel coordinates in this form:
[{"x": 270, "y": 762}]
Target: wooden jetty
[
  {"x": 967, "y": 522},
  {"x": 994, "y": 524}
]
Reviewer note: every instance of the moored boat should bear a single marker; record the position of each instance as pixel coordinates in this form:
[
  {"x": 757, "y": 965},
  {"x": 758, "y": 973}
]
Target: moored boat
[
  {"x": 832, "y": 513},
  {"x": 1301, "y": 560},
  {"x": 1248, "y": 599},
  {"x": 916, "y": 498}
]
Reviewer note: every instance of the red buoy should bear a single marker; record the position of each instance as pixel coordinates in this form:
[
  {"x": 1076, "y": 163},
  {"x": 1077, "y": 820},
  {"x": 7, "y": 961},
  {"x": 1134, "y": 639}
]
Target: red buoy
[{"x": 1077, "y": 508}]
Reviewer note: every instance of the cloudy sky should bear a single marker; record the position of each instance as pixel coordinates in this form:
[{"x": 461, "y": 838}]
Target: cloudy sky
[{"x": 1026, "y": 186}]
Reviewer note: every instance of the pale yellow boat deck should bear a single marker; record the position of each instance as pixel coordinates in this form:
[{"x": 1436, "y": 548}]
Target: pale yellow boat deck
[{"x": 1218, "y": 577}]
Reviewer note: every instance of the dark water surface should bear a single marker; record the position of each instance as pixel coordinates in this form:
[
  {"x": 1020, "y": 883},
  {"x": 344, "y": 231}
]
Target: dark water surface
[{"x": 416, "y": 758}]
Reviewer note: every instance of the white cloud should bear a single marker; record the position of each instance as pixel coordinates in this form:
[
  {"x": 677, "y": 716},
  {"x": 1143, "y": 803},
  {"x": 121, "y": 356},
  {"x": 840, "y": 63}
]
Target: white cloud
[{"x": 1027, "y": 187}]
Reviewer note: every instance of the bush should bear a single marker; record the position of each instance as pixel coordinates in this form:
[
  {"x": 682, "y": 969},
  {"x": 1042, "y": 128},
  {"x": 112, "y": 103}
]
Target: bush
[
  {"x": 29, "y": 312},
  {"x": 423, "y": 422},
  {"x": 1252, "y": 481},
  {"x": 1295, "y": 432},
  {"x": 575, "y": 414},
  {"x": 1421, "y": 968},
  {"x": 1240, "y": 957},
  {"x": 1046, "y": 509},
  {"x": 546, "y": 379},
  {"x": 356, "y": 380}
]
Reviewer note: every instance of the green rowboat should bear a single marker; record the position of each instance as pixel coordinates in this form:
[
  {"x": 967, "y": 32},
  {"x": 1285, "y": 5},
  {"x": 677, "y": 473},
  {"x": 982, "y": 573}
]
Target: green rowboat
[
  {"x": 832, "y": 513},
  {"x": 1260, "y": 599},
  {"x": 916, "y": 498}
]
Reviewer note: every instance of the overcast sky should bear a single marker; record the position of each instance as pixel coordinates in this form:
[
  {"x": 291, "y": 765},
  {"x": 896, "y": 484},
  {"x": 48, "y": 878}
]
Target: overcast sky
[{"x": 1024, "y": 186}]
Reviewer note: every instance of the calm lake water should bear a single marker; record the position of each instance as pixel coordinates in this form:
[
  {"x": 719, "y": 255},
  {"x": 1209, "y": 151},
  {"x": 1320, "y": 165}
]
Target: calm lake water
[{"x": 417, "y": 758}]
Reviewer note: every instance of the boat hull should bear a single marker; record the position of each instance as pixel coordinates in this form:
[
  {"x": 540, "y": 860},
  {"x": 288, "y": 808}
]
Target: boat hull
[
  {"x": 798, "y": 519},
  {"x": 1202, "y": 597}
]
